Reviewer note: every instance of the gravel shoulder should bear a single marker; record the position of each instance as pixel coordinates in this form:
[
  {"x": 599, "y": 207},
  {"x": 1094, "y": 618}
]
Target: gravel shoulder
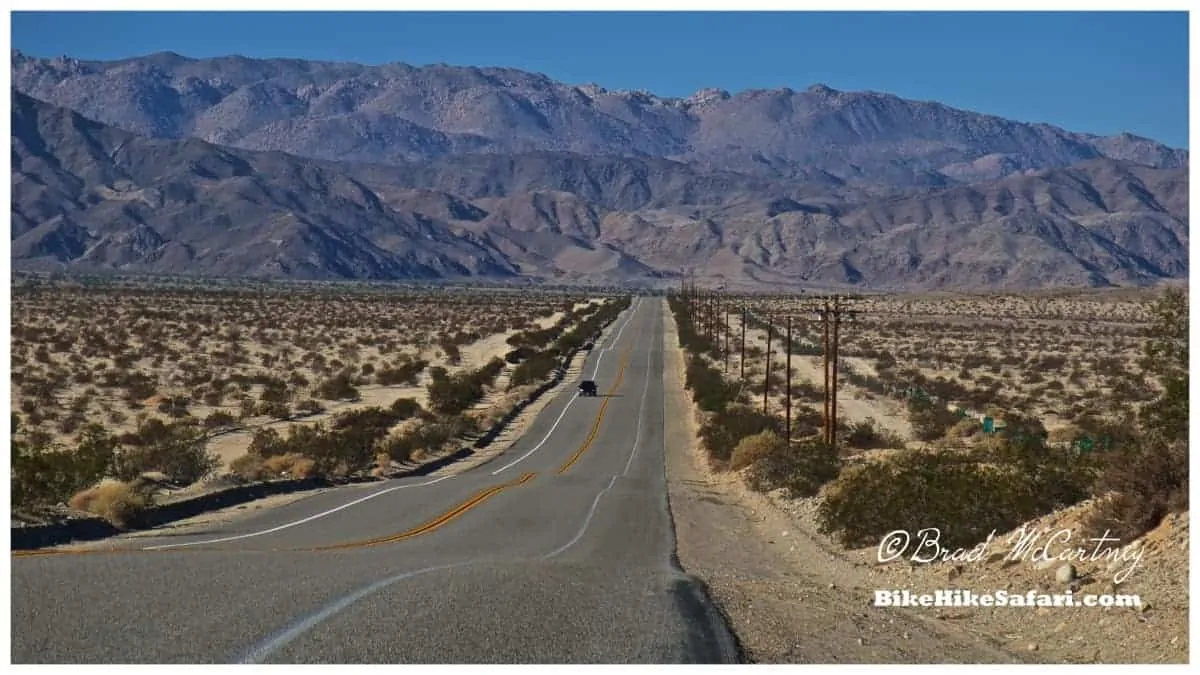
[{"x": 788, "y": 597}]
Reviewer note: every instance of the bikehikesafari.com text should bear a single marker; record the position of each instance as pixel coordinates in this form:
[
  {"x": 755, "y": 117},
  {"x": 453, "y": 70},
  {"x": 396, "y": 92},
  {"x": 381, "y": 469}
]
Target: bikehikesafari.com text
[{"x": 963, "y": 598}]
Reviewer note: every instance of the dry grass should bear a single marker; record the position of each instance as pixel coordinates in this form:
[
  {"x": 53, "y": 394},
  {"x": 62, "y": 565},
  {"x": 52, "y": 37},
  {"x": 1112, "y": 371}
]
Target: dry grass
[{"x": 115, "y": 501}]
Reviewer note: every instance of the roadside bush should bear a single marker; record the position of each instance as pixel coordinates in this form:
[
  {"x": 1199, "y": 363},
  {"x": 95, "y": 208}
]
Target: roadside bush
[
  {"x": 800, "y": 470},
  {"x": 753, "y": 448},
  {"x": 117, "y": 502},
  {"x": 177, "y": 450},
  {"x": 1138, "y": 486},
  {"x": 966, "y": 500},
  {"x": 451, "y": 395},
  {"x": 43, "y": 475},
  {"x": 724, "y": 430},
  {"x": 534, "y": 369},
  {"x": 711, "y": 391}
]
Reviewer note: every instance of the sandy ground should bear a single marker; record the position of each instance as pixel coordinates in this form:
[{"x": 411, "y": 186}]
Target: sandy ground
[
  {"x": 1157, "y": 633},
  {"x": 854, "y": 405},
  {"x": 786, "y": 597}
]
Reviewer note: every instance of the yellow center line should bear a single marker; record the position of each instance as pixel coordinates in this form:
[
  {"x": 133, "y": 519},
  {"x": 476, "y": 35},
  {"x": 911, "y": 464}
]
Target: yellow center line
[
  {"x": 431, "y": 525},
  {"x": 591, "y": 437}
]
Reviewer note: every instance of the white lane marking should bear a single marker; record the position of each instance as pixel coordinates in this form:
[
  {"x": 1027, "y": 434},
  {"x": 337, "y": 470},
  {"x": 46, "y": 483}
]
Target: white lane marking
[
  {"x": 266, "y": 648},
  {"x": 285, "y": 526},
  {"x": 544, "y": 438},
  {"x": 610, "y": 344},
  {"x": 587, "y": 521},
  {"x": 561, "y": 415},
  {"x": 637, "y": 440}
]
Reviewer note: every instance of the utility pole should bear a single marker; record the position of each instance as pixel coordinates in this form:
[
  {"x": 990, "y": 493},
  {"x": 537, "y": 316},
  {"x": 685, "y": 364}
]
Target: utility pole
[
  {"x": 743, "y": 359},
  {"x": 832, "y": 312},
  {"x": 825, "y": 360},
  {"x": 787, "y": 414},
  {"x": 833, "y": 376},
  {"x": 726, "y": 350},
  {"x": 767, "y": 374}
]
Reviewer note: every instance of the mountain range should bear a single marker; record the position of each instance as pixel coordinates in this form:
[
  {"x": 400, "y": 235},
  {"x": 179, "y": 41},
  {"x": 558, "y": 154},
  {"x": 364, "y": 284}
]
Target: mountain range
[{"x": 288, "y": 168}]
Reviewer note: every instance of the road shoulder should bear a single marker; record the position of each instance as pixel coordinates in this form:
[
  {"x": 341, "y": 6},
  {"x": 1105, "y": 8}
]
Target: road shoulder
[{"x": 787, "y": 599}]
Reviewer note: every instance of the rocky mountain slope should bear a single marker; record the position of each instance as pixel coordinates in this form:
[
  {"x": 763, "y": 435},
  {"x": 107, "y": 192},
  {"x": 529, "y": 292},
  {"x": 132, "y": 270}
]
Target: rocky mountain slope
[
  {"x": 93, "y": 197},
  {"x": 400, "y": 113},
  {"x": 402, "y": 172}
]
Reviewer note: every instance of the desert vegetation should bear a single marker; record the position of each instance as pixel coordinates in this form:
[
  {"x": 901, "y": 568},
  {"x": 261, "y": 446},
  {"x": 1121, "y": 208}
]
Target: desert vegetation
[
  {"x": 121, "y": 390},
  {"x": 1087, "y": 396}
]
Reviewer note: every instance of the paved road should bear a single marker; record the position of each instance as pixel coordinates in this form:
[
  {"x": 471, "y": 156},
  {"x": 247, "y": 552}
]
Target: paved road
[{"x": 560, "y": 550}]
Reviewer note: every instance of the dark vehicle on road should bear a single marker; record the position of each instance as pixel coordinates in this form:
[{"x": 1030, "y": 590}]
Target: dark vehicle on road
[
  {"x": 587, "y": 388},
  {"x": 589, "y": 345}
]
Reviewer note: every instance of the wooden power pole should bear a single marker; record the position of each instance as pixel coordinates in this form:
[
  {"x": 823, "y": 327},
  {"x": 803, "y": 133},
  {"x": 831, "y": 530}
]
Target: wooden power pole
[
  {"x": 787, "y": 378},
  {"x": 743, "y": 358},
  {"x": 832, "y": 312},
  {"x": 825, "y": 360},
  {"x": 767, "y": 374}
]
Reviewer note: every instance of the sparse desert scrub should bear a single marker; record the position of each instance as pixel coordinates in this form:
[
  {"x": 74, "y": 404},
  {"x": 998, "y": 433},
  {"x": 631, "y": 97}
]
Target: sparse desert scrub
[
  {"x": 1059, "y": 387},
  {"x": 221, "y": 361}
]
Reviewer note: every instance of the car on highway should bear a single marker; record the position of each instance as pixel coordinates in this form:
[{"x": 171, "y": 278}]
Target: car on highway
[{"x": 587, "y": 388}]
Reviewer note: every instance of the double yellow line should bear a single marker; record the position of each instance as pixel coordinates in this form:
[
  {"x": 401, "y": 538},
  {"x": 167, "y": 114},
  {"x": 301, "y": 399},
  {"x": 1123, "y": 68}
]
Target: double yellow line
[
  {"x": 424, "y": 528},
  {"x": 591, "y": 437},
  {"x": 431, "y": 525}
]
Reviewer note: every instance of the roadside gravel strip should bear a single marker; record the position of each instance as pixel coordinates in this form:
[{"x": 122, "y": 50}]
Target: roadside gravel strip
[
  {"x": 787, "y": 600},
  {"x": 566, "y": 557}
]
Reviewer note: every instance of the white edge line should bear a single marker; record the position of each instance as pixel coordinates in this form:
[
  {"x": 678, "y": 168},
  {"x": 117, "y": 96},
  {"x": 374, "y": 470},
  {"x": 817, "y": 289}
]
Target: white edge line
[
  {"x": 544, "y": 438},
  {"x": 587, "y": 521},
  {"x": 563, "y": 414},
  {"x": 285, "y": 526},
  {"x": 264, "y": 649},
  {"x": 281, "y": 639}
]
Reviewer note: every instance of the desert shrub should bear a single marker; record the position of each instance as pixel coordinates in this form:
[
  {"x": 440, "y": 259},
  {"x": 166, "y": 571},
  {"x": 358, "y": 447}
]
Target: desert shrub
[
  {"x": 117, "y": 502},
  {"x": 726, "y": 428},
  {"x": 965, "y": 499},
  {"x": 711, "y": 391},
  {"x": 450, "y": 395},
  {"x": 405, "y": 408},
  {"x": 219, "y": 419},
  {"x": 249, "y": 466},
  {"x": 177, "y": 450},
  {"x": 753, "y": 448},
  {"x": 866, "y": 434},
  {"x": 930, "y": 420},
  {"x": 338, "y": 387},
  {"x": 44, "y": 475},
  {"x": 534, "y": 369},
  {"x": 801, "y": 470},
  {"x": 405, "y": 373},
  {"x": 174, "y": 406},
  {"x": 1139, "y": 484}
]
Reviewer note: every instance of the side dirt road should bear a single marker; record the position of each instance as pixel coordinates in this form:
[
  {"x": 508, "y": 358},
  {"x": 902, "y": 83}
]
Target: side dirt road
[{"x": 786, "y": 597}]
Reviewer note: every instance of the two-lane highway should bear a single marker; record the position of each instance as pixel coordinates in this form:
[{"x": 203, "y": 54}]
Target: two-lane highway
[{"x": 560, "y": 550}]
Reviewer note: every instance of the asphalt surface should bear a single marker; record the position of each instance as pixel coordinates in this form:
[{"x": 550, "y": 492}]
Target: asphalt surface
[{"x": 560, "y": 550}]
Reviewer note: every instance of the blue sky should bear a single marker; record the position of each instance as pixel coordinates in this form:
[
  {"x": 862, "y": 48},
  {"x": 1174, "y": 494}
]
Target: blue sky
[{"x": 1095, "y": 72}]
